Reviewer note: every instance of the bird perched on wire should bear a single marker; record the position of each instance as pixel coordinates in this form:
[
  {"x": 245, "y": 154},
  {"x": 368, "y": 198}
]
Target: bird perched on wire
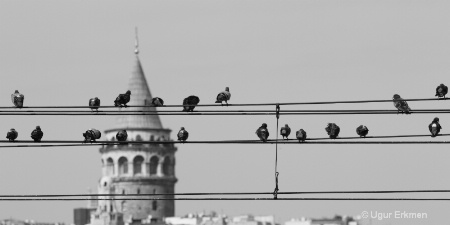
[
  {"x": 37, "y": 134},
  {"x": 122, "y": 135},
  {"x": 91, "y": 135},
  {"x": 122, "y": 99},
  {"x": 263, "y": 132},
  {"x": 441, "y": 91},
  {"x": 182, "y": 135},
  {"x": 17, "y": 99},
  {"x": 157, "y": 102},
  {"x": 301, "y": 135},
  {"x": 285, "y": 131},
  {"x": 12, "y": 134},
  {"x": 189, "y": 103},
  {"x": 435, "y": 127},
  {"x": 94, "y": 103},
  {"x": 333, "y": 130},
  {"x": 224, "y": 96},
  {"x": 362, "y": 131},
  {"x": 401, "y": 104}
]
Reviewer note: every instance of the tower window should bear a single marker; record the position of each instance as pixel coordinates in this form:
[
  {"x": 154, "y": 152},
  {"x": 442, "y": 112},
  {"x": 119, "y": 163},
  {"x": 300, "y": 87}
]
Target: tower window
[
  {"x": 138, "y": 191},
  {"x": 167, "y": 168},
  {"x": 123, "y": 191},
  {"x": 153, "y": 165},
  {"x": 137, "y": 164},
  {"x": 154, "y": 205},
  {"x": 109, "y": 166},
  {"x": 123, "y": 165}
]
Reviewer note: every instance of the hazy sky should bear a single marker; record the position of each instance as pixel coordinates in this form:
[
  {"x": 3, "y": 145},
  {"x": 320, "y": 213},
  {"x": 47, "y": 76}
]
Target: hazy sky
[{"x": 65, "y": 52}]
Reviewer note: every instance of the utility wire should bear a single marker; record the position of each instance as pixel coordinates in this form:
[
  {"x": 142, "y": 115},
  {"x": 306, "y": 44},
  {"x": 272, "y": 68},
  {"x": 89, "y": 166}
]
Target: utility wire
[
  {"x": 253, "y": 142},
  {"x": 248, "y": 104},
  {"x": 223, "y": 113},
  {"x": 226, "y": 141},
  {"x": 230, "y": 199},
  {"x": 227, "y": 193}
]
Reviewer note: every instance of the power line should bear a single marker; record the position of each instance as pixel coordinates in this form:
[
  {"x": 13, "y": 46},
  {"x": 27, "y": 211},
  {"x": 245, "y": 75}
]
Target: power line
[
  {"x": 229, "y": 199},
  {"x": 238, "y": 142},
  {"x": 216, "y": 114},
  {"x": 245, "y": 104},
  {"x": 228, "y": 193}
]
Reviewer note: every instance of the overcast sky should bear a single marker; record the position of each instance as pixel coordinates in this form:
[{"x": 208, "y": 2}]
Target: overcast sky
[{"x": 65, "y": 52}]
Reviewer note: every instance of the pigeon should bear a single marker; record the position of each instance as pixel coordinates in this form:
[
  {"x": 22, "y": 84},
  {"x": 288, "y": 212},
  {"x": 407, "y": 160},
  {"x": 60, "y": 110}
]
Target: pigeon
[
  {"x": 262, "y": 132},
  {"x": 157, "y": 102},
  {"x": 91, "y": 135},
  {"x": 285, "y": 131},
  {"x": 122, "y": 135},
  {"x": 301, "y": 135},
  {"x": 441, "y": 91},
  {"x": 37, "y": 134},
  {"x": 122, "y": 99},
  {"x": 17, "y": 99},
  {"x": 224, "y": 96},
  {"x": 333, "y": 130},
  {"x": 182, "y": 135},
  {"x": 12, "y": 134},
  {"x": 94, "y": 102},
  {"x": 191, "y": 100},
  {"x": 435, "y": 127},
  {"x": 401, "y": 104},
  {"x": 362, "y": 131}
]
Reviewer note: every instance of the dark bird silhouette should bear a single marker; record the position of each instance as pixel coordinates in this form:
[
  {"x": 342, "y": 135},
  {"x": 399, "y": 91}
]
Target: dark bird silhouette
[
  {"x": 224, "y": 96},
  {"x": 17, "y": 99},
  {"x": 189, "y": 103},
  {"x": 91, "y": 135},
  {"x": 262, "y": 132},
  {"x": 362, "y": 131},
  {"x": 37, "y": 134},
  {"x": 122, "y": 135},
  {"x": 122, "y": 99},
  {"x": 12, "y": 134},
  {"x": 435, "y": 127},
  {"x": 94, "y": 103},
  {"x": 441, "y": 91},
  {"x": 182, "y": 135},
  {"x": 285, "y": 131},
  {"x": 333, "y": 130},
  {"x": 401, "y": 104},
  {"x": 301, "y": 135},
  {"x": 157, "y": 102}
]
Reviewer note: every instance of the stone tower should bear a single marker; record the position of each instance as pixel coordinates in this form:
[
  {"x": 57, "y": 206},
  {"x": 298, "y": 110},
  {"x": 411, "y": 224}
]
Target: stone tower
[{"x": 137, "y": 168}]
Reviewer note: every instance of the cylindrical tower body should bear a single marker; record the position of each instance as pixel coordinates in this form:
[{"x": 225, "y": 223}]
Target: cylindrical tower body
[{"x": 138, "y": 168}]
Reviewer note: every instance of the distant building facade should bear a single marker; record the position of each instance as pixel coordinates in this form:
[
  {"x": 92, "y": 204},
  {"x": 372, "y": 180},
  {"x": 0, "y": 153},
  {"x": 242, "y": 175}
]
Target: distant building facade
[{"x": 337, "y": 220}]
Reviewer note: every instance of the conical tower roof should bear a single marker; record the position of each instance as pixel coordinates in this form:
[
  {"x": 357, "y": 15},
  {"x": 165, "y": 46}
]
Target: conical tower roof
[{"x": 140, "y": 95}]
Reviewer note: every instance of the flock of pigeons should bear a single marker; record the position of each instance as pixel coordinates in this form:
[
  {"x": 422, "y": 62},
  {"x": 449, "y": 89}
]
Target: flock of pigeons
[
  {"x": 190, "y": 102},
  {"x": 91, "y": 135}
]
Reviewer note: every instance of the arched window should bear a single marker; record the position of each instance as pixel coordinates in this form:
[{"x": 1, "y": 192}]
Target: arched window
[
  {"x": 137, "y": 164},
  {"x": 154, "y": 205},
  {"x": 139, "y": 191},
  {"x": 123, "y": 206},
  {"x": 109, "y": 167},
  {"x": 123, "y": 165},
  {"x": 167, "y": 167},
  {"x": 153, "y": 165},
  {"x": 123, "y": 191}
]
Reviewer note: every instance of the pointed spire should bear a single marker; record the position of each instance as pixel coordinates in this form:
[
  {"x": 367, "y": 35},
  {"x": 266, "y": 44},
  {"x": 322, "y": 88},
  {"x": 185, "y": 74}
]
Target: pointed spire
[
  {"x": 136, "y": 49},
  {"x": 140, "y": 95}
]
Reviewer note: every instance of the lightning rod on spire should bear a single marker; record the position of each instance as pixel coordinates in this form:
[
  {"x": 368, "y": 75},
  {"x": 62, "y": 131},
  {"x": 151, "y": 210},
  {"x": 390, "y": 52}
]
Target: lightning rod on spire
[{"x": 136, "y": 49}]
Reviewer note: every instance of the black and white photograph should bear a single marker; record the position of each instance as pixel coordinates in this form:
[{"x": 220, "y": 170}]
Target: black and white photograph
[{"x": 227, "y": 112}]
